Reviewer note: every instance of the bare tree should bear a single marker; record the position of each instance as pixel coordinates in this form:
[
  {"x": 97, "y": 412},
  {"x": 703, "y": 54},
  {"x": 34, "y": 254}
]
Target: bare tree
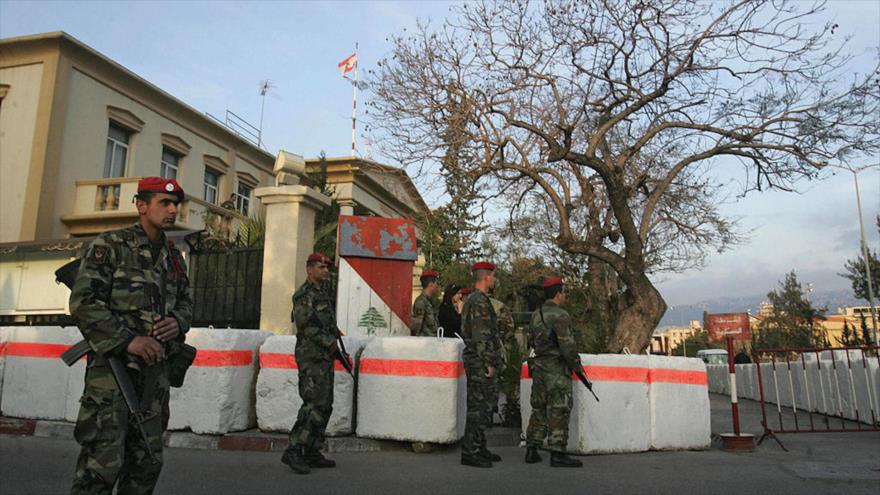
[{"x": 610, "y": 119}]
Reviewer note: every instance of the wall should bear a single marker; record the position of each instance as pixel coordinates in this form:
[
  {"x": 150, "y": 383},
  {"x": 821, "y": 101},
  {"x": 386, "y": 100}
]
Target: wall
[{"x": 18, "y": 117}]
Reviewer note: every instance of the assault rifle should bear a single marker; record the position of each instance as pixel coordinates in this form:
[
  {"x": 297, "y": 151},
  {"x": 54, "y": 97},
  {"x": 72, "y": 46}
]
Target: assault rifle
[{"x": 342, "y": 355}]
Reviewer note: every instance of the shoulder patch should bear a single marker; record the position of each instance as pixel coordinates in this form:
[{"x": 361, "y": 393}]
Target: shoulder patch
[{"x": 98, "y": 255}]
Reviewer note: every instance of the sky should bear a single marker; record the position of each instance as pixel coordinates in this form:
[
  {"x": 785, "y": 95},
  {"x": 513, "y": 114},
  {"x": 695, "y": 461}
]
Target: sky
[{"x": 213, "y": 56}]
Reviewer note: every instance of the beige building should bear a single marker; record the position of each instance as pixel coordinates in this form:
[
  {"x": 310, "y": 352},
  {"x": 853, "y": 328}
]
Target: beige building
[
  {"x": 667, "y": 339},
  {"x": 77, "y": 131}
]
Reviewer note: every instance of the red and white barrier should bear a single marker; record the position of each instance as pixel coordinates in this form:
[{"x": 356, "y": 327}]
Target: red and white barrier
[
  {"x": 636, "y": 393},
  {"x": 4, "y": 338},
  {"x": 218, "y": 394},
  {"x": 679, "y": 402},
  {"x": 412, "y": 389},
  {"x": 278, "y": 399},
  {"x": 36, "y": 383}
]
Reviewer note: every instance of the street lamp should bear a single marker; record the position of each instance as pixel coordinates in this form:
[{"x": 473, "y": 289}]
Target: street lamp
[{"x": 855, "y": 171}]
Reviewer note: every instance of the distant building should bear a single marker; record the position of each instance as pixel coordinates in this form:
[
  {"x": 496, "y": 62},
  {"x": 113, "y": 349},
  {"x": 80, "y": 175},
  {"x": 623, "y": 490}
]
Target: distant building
[
  {"x": 831, "y": 326},
  {"x": 665, "y": 340}
]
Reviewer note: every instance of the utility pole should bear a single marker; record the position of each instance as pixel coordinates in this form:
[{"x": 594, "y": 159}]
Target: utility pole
[{"x": 865, "y": 254}]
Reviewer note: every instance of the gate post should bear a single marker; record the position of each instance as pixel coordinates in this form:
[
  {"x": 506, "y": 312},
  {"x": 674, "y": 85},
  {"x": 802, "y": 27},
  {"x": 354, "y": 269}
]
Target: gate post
[{"x": 290, "y": 236}]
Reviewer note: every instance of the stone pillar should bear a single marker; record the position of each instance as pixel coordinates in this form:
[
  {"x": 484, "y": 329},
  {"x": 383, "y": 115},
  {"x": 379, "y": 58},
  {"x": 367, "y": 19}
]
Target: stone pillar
[
  {"x": 290, "y": 236},
  {"x": 346, "y": 206}
]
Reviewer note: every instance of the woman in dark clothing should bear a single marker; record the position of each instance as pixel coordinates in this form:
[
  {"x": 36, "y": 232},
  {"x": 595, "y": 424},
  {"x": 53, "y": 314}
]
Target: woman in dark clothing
[{"x": 449, "y": 315}]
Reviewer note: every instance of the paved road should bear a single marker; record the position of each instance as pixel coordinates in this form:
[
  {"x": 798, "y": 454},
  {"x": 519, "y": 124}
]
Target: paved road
[{"x": 817, "y": 463}]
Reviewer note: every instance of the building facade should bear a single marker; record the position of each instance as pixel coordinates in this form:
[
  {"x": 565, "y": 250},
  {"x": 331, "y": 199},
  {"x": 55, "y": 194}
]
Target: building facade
[{"x": 77, "y": 132}]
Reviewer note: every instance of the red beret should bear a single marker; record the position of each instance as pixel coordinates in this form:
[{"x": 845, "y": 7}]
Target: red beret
[
  {"x": 319, "y": 257},
  {"x": 465, "y": 291},
  {"x": 551, "y": 282},
  {"x": 483, "y": 265},
  {"x": 160, "y": 185},
  {"x": 429, "y": 273}
]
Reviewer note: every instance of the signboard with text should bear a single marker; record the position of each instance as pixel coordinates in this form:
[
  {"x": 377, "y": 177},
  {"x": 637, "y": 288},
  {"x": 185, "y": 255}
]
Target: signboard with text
[{"x": 722, "y": 326}]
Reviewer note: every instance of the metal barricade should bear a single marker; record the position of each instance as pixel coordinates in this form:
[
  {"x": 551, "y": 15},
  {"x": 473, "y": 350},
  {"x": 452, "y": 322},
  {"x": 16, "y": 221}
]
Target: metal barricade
[{"x": 819, "y": 390}]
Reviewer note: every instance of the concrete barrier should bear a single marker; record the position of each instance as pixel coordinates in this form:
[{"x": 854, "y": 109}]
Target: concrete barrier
[
  {"x": 621, "y": 422},
  {"x": 36, "y": 383},
  {"x": 412, "y": 389},
  {"x": 278, "y": 399},
  {"x": 5, "y": 332},
  {"x": 679, "y": 402},
  {"x": 218, "y": 394}
]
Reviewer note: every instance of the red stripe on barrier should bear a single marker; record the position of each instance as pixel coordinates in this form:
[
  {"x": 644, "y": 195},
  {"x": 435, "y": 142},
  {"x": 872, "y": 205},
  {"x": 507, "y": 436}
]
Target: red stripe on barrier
[
  {"x": 211, "y": 358},
  {"x": 407, "y": 367},
  {"x": 279, "y": 360},
  {"x": 681, "y": 377},
  {"x": 638, "y": 375},
  {"x": 35, "y": 350}
]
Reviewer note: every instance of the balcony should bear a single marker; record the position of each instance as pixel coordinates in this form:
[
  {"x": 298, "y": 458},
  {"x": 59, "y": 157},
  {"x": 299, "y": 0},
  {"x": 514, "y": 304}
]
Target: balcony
[{"x": 105, "y": 204}]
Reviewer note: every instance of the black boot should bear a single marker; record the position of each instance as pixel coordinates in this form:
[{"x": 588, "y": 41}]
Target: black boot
[
  {"x": 532, "y": 455},
  {"x": 490, "y": 455},
  {"x": 294, "y": 458},
  {"x": 475, "y": 460},
  {"x": 315, "y": 459},
  {"x": 561, "y": 459}
]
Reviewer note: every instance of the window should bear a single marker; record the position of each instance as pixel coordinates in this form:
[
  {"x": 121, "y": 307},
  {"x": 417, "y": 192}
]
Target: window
[
  {"x": 243, "y": 200},
  {"x": 212, "y": 179},
  {"x": 117, "y": 151},
  {"x": 170, "y": 163}
]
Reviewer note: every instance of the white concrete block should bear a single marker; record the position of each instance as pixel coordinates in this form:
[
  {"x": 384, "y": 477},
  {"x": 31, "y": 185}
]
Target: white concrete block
[
  {"x": 412, "y": 389},
  {"x": 5, "y": 333},
  {"x": 36, "y": 383},
  {"x": 278, "y": 399},
  {"x": 679, "y": 402},
  {"x": 621, "y": 382},
  {"x": 858, "y": 385},
  {"x": 218, "y": 394}
]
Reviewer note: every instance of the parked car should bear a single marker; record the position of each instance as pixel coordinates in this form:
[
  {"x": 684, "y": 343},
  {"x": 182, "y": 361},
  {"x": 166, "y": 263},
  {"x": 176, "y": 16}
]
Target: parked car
[{"x": 713, "y": 356}]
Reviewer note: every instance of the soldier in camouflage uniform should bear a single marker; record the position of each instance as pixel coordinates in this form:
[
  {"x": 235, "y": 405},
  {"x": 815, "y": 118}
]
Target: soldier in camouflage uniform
[
  {"x": 482, "y": 360},
  {"x": 314, "y": 314},
  {"x": 125, "y": 279},
  {"x": 555, "y": 358},
  {"x": 424, "y": 318},
  {"x": 507, "y": 334}
]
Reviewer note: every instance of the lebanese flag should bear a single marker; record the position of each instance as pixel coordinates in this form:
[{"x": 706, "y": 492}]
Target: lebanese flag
[{"x": 348, "y": 64}]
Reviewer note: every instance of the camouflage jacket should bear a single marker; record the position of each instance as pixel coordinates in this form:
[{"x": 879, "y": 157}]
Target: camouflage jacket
[
  {"x": 314, "y": 314},
  {"x": 552, "y": 340},
  {"x": 424, "y": 318},
  {"x": 120, "y": 288},
  {"x": 506, "y": 328},
  {"x": 479, "y": 329}
]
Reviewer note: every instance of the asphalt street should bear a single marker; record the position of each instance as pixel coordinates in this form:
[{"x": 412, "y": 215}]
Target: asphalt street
[{"x": 823, "y": 463}]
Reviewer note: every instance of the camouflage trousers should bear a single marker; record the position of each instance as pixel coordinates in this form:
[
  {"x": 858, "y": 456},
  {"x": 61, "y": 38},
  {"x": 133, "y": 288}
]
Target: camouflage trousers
[
  {"x": 481, "y": 391},
  {"x": 113, "y": 452},
  {"x": 316, "y": 392},
  {"x": 551, "y": 409}
]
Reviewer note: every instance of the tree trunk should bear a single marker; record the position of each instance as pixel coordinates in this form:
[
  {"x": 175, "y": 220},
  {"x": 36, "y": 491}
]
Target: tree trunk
[
  {"x": 604, "y": 304},
  {"x": 642, "y": 311}
]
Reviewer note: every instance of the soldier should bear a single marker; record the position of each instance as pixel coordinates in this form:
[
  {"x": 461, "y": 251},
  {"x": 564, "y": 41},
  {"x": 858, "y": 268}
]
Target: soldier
[
  {"x": 424, "y": 318},
  {"x": 555, "y": 358},
  {"x": 509, "y": 345},
  {"x": 482, "y": 359},
  {"x": 131, "y": 301},
  {"x": 314, "y": 314}
]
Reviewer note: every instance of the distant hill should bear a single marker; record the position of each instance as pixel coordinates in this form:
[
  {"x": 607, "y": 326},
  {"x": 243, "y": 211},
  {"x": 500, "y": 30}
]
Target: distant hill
[{"x": 682, "y": 314}]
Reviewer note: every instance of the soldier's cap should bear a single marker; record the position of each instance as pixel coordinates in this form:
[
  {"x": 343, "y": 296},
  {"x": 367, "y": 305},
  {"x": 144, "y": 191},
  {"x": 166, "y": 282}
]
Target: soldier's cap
[
  {"x": 319, "y": 257},
  {"x": 550, "y": 282},
  {"x": 483, "y": 265},
  {"x": 160, "y": 185},
  {"x": 429, "y": 274},
  {"x": 465, "y": 291}
]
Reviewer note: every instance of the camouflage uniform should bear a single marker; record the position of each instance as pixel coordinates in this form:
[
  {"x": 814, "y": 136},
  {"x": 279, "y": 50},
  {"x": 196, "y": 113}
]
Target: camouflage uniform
[
  {"x": 482, "y": 349},
  {"x": 551, "y": 368},
  {"x": 113, "y": 300},
  {"x": 507, "y": 334},
  {"x": 314, "y": 313},
  {"x": 424, "y": 318}
]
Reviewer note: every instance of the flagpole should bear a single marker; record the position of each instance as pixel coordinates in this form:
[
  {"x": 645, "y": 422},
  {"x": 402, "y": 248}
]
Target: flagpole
[{"x": 354, "y": 93}]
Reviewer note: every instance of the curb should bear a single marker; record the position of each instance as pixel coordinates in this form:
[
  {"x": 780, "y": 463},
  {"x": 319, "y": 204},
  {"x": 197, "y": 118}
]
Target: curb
[{"x": 250, "y": 440}]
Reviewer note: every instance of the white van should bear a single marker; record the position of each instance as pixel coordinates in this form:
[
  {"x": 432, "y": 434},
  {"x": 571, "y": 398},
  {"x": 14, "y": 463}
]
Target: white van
[{"x": 713, "y": 356}]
